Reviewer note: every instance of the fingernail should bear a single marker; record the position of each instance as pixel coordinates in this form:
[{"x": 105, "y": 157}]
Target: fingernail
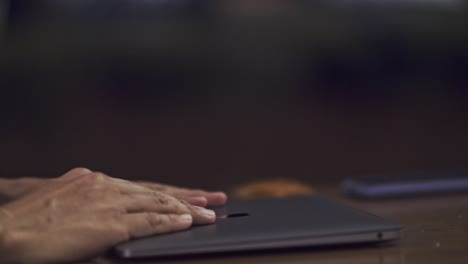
[
  {"x": 207, "y": 212},
  {"x": 186, "y": 218}
]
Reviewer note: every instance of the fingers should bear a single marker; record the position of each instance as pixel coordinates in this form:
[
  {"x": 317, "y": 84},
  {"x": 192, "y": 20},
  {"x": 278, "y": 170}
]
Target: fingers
[
  {"x": 164, "y": 204},
  {"x": 146, "y": 224},
  {"x": 159, "y": 203},
  {"x": 140, "y": 199},
  {"x": 194, "y": 197},
  {"x": 128, "y": 187},
  {"x": 202, "y": 215},
  {"x": 197, "y": 200},
  {"x": 216, "y": 198}
]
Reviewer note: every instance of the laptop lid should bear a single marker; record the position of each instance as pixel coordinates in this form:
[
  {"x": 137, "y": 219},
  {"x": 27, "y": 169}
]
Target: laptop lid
[{"x": 269, "y": 224}]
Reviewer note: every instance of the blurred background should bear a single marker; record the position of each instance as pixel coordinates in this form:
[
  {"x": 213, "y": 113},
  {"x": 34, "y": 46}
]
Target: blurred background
[{"x": 218, "y": 93}]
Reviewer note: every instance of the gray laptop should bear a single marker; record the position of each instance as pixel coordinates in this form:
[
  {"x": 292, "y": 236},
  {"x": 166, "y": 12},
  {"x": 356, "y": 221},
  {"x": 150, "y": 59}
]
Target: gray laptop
[{"x": 269, "y": 224}]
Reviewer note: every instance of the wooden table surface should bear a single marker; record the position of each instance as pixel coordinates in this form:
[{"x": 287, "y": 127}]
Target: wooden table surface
[{"x": 435, "y": 231}]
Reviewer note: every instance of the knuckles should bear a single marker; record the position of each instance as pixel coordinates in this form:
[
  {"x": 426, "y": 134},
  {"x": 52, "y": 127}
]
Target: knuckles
[
  {"x": 93, "y": 178},
  {"x": 185, "y": 203},
  {"x": 79, "y": 171},
  {"x": 86, "y": 175},
  {"x": 97, "y": 176},
  {"x": 162, "y": 201},
  {"x": 153, "y": 220},
  {"x": 116, "y": 211}
]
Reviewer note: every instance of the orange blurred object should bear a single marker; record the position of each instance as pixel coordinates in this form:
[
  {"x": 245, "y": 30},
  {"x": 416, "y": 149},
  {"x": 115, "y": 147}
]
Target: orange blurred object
[{"x": 279, "y": 187}]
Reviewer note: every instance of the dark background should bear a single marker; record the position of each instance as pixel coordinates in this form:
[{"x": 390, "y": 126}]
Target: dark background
[{"x": 217, "y": 93}]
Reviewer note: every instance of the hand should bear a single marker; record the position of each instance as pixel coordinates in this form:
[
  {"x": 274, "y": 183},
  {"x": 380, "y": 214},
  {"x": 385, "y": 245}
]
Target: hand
[
  {"x": 83, "y": 213},
  {"x": 19, "y": 187}
]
